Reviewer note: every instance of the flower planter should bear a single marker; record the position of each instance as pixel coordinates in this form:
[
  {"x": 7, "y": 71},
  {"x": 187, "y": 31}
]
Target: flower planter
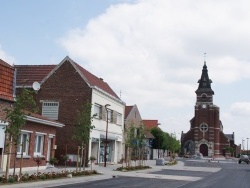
[{"x": 69, "y": 175}]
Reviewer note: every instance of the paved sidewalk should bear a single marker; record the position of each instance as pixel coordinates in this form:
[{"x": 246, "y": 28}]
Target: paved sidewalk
[{"x": 109, "y": 172}]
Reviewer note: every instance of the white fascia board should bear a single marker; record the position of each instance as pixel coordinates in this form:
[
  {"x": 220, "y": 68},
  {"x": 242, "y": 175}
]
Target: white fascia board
[
  {"x": 45, "y": 122},
  {"x": 107, "y": 94},
  {"x": 20, "y": 86},
  {"x": 3, "y": 123}
]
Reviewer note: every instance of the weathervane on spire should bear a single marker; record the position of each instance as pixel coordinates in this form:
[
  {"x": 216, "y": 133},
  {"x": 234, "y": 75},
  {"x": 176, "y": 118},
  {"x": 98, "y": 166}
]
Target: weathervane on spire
[{"x": 205, "y": 58}]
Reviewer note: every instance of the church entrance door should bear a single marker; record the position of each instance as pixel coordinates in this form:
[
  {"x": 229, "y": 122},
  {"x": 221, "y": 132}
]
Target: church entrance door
[{"x": 204, "y": 149}]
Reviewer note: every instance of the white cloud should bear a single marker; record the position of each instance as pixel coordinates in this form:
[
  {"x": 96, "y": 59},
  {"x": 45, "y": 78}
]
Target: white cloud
[
  {"x": 237, "y": 123},
  {"x": 153, "y": 50},
  {"x": 240, "y": 109},
  {"x": 5, "y": 57}
]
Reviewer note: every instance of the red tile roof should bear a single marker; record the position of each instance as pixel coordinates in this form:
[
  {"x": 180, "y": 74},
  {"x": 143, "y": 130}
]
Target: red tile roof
[
  {"x": 43, "y": 120},
  {"x": 28, "y": 74},
  {"x": 95, "y": 81},
  {"x": 6, "y": 81},
  {"x": 149, "y": 124}
]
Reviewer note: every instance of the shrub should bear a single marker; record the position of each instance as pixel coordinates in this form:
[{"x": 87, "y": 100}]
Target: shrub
[
  {"x": 24, "y": 177},
  {"x": 11, "y": 179},
  {"x": 46, "y": 175},
  {"x": 53, "y": 161},
  {"x": 131, "y": 168},
  {"x": 173, "y": 162}
]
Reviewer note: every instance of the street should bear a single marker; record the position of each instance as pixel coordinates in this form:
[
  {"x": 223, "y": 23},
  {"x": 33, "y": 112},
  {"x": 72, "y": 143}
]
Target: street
[{"x": 230, "y": 175}]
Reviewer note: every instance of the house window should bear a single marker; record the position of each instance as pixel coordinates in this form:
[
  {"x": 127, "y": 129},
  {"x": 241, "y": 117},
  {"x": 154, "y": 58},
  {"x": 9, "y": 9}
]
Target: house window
[
  {"x": 38, "y": 145},
  {"x": 24, "y": 141},
  {"x": 137, "y": 132},
  {"x": 118, "y": 119},
  {"x": 50, "y": 110},
  {"x": 98, "y": 111}
]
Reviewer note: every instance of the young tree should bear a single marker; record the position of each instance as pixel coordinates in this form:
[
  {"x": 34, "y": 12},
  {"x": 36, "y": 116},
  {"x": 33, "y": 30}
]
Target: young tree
[
  {"x": 16, "y": 117},
  {"x": 173, "y": 145},
  {"x": 141, "y": 142},
  {"x": 83, "y": 127},
  {"x": 159, "y": 142},
  {"x": 130, "y": 142},
  {"x": 135, "y": 141}
]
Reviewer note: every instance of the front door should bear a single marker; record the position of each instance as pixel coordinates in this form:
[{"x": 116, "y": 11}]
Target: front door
[
  {"x": 108, "y": 153},
  {"x": 204, "y": 149}
]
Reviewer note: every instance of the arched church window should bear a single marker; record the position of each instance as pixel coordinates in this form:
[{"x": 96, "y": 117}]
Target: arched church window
[{"x": 204, "y": 95}]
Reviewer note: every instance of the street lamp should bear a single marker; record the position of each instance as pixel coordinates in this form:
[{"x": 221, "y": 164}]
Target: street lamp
[
  {"x": 106, "y": 140},
  {"x": 247, "y": 145},
  {"x": 158, "y": 143},
  {"x": 243, "y": 145}
]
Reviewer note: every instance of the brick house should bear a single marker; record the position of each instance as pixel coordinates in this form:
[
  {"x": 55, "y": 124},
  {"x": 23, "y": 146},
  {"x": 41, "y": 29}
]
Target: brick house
[
  {"x": 150, "y": 124},
  {"x": 206, "y": 129},
  {"x": 133, "y": 118},
  {"x": 37, "y": 135},
  {"x": 6, "y": 101},
  {"x": 64, "y": 89}
]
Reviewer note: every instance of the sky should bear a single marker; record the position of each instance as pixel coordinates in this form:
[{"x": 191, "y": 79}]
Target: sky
[{"x": 151, "y": 52}]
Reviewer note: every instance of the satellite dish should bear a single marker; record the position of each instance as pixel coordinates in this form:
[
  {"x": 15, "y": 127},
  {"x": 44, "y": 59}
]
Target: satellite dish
[{"x": 36, "y": 86}]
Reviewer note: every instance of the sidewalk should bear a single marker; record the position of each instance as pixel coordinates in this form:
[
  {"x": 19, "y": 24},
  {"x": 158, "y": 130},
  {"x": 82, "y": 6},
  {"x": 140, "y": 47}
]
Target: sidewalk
[
  {"x": 106, "y": 173},
  {"x": 109, "y": 173}
]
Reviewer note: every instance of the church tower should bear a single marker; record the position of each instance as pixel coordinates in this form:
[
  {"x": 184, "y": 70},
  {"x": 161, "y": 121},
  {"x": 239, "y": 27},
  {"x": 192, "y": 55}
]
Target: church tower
[{"x": 206, "y": 130}]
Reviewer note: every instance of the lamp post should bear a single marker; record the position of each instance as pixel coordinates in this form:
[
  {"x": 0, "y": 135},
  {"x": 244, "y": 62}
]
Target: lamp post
[
  {"x": 243, "y": 145},
  {"x": 247, "y": 145},
  {"x": 158, "y": 142},
  {"x": 106, "y": 140}
]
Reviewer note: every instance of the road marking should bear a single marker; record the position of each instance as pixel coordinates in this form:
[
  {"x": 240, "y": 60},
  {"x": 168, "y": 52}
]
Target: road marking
[{"x": 169, "y": 177}]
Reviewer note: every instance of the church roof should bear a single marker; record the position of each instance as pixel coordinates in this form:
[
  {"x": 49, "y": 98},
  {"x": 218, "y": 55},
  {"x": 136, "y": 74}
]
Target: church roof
[
  {"x": 204, "y": 81},
  {"x": 230, "y": 136}
]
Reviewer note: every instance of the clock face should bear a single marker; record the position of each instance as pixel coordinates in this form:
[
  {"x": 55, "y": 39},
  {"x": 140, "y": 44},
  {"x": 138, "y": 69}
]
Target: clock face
[{"x": 203, "y": 106}]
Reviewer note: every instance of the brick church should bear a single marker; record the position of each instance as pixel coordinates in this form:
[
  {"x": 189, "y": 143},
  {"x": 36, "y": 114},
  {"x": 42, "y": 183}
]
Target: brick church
[{"x": 206, "y": 130}]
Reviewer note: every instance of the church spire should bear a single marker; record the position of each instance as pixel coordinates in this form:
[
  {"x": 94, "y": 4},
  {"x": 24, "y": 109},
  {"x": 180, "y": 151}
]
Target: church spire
[
  {"x": 204, "y": 81},
  {"x": 204, "y": 91}
]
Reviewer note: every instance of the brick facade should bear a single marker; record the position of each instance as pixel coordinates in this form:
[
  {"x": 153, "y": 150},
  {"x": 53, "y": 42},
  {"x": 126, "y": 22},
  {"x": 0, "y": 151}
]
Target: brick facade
[
  {"x": 35, "y": 128},
  {"x": 71, "y": 86},
  {"x": 34, "y": 124},
  {"x": 68, "y": 88},
  {"x": 4, "y": 105}
]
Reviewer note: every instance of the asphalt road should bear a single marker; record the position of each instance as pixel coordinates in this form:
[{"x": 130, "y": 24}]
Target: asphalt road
[{"x": 231, "y": 175}]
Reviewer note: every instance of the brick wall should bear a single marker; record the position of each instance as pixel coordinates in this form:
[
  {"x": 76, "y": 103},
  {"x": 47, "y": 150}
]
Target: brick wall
[
  {"x": 68, "y": 88},
  {"x": 35, "y": 127},
  {"x": 3, "y": 105}
]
